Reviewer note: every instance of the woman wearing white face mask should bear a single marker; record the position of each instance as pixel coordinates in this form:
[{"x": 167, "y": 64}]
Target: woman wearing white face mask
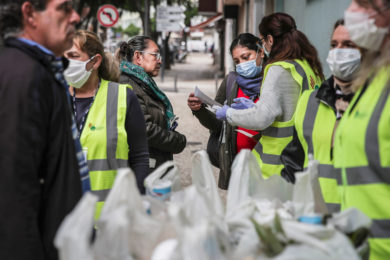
[
  {"x": 108, "y": 116},
  {"x": 362, "y": 140},
  {"x": 241, "y": 85},
  {"x": 317, "y": 115}
]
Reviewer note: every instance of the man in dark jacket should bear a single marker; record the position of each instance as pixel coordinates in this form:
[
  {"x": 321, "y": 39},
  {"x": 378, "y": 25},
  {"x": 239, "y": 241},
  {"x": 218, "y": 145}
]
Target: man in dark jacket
[{"x": 40, "y": 173}]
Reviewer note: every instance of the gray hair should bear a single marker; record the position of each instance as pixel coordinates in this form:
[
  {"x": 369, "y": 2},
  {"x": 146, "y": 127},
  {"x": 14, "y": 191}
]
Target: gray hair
[
  {"x": 127, "y": 49},
  {"x": 11, "y": 17}
]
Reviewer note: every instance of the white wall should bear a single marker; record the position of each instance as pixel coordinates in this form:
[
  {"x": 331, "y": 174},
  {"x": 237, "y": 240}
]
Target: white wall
[
  {"x": 316, "y": 18},
  {"x": 257, "y": 7},
  {"x": 229, "y": 36}
]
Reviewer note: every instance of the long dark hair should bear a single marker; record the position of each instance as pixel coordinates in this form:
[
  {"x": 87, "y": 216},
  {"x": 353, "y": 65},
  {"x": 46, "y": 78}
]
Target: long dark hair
[{"x": 289, "y": 43}]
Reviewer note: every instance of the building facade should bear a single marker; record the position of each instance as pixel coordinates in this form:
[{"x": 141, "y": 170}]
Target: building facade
[{"x": 245, "y": 15}]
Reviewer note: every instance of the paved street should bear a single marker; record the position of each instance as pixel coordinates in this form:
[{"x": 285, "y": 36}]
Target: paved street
[{"x": 197, "y": 71}]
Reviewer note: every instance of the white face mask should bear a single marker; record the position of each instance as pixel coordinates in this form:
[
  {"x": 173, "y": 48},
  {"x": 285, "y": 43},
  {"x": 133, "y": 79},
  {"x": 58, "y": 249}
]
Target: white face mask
[
  {"x": 363, "y": 31},
  {"x": 344, "y": 62},
  {"x": 76, "y": 74}
]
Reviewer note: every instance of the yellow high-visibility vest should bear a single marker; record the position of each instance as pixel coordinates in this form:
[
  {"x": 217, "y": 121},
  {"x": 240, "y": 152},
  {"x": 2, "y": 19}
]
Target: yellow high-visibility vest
[
  {"x": 362, "y": 153},
  {"x": 105, "y": 138},
  {"x": 314, "y": 125},
  {"x": 276, "y": 137}
]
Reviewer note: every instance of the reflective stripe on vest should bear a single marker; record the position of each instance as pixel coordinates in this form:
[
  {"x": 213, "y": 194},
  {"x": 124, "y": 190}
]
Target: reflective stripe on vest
[
  {"x": 105, "y": 137},
  {"x": 314, "y": 124},
  {"x": 276, "y": 137},
  {"x": 362, "y": 152}
]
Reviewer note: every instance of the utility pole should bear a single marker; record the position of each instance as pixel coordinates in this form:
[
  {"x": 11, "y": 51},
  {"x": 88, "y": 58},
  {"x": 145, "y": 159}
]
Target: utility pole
[{"x": 146, "y": 18}]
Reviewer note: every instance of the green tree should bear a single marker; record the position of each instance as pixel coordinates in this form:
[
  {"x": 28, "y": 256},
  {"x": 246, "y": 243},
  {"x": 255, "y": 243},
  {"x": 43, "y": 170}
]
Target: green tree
[
  {"x": 139, "y": 7},
  {"x": 132, "y": 30}
]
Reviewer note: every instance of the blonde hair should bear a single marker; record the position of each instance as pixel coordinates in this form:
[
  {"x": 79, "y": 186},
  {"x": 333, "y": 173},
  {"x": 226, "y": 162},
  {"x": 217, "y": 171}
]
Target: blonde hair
[
  {"x": 90, "y": 43},
  {"x": 371, "y": 65},
  {"x": 113, "y": 66}
]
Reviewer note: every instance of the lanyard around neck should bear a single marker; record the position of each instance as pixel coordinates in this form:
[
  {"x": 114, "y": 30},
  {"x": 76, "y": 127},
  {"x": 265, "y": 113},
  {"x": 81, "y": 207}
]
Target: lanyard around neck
[{"x": 80, "y": 127}]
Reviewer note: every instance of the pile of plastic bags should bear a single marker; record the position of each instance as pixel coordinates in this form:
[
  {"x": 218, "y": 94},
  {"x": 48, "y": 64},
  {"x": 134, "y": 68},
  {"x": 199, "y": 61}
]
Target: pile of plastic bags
[{"x": 260, "y": 220}]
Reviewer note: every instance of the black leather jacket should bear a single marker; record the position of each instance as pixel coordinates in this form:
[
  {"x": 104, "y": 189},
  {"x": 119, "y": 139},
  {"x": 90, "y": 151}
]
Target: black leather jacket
[{"x": 162, "y": 142}]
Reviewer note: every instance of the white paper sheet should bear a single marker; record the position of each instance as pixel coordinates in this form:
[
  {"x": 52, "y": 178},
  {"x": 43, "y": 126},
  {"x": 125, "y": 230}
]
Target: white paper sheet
[{"x": 206, "y": 99}]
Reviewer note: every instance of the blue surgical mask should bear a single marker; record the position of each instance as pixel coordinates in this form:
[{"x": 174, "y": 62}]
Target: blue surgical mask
[{"x": 249, "y": 69}]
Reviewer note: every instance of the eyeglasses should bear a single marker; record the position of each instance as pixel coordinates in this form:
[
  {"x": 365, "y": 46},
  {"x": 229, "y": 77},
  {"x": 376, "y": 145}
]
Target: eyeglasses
[{"x": 155, "y": 54}]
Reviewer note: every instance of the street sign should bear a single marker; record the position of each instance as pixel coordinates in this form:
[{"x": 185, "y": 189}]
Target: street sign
[
  {"x": 177, "y": 16},
  {"x": 170, "y": 18},
  {"x": 170, "y": 12},
  {"x": 167, "y": 26},
  {"x": 107, "y": 15},
  {"x": 176, "y": 8}
]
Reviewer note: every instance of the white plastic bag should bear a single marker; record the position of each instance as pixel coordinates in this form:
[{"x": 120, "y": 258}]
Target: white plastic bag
[
  {"x": 274, "y": 187},
  {"x": 165, "y": 250},
  {"x": 250, "y": 196},
  {"x": 187, "y": 207},
  {"x": 73, "y": 238},
  {"x": 203, "y": 179},
  {"x": 325, "y": 242},
  {"x": 206, "y": 241},
  {"x": 350, "y": 220},
  {"x": 113, "y": 232},
  {"x": 164, "y": 180},
  {"x": 244, "y": 181},
  {"x": 112, "y": 241},
  {"x": 125, "y": 230},
  {"x": 307, "y": 196},
  {"x": 200, "y": 234}
]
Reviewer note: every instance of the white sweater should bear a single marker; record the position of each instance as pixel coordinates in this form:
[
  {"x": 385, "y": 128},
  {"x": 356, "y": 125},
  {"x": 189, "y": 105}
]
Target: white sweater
[{"x": 278, "y": 100}]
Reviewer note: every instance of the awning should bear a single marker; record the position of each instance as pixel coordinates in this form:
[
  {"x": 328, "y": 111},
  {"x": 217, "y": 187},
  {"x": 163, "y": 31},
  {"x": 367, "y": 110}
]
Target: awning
[{"x": 206, "y": 23}]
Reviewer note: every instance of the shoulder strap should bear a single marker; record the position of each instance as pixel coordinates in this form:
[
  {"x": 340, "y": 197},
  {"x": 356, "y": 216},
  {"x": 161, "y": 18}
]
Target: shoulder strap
[{"x": 231, "y": 79}]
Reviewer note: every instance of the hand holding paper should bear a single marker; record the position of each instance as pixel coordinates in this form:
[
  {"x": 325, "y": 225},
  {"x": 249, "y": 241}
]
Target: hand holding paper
[
  {"x": 205, "y": 99},
  {"x": 194, "y": 103}
]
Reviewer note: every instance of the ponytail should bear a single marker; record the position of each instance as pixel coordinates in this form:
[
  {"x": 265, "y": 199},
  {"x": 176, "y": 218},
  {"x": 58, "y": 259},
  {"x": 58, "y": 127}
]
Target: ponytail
[
  {"x": 109, "y": 68},
  {"x": 127, "y": 49}
]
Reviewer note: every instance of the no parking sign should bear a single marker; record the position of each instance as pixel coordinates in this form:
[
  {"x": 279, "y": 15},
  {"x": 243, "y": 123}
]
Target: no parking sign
[{"x": 107, "y": 15}]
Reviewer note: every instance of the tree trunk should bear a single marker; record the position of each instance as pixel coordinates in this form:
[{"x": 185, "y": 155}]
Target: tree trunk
[
  {"x": 95, "y": 25},
  {"x": 168, "y": 57},
  {"x": 146, "y": 19}
]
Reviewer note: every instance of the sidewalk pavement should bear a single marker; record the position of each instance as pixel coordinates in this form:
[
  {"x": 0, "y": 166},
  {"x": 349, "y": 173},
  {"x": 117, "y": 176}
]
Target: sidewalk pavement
[{"x": 197, "y": 71}]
